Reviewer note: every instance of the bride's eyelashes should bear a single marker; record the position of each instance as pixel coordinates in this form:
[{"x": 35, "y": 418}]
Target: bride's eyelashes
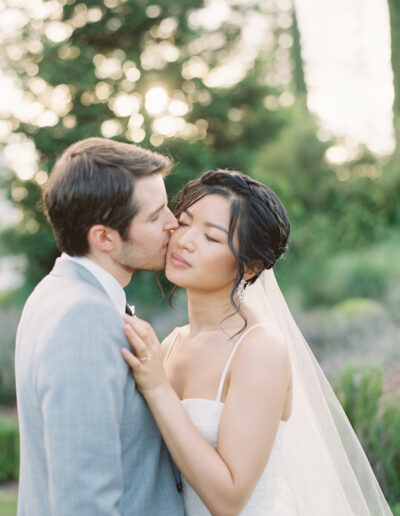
[{"x": 210, "y": 239}]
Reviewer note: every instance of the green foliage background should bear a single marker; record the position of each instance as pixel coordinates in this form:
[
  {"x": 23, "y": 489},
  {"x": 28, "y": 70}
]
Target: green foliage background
[
  {"x": 225, "y": 126},
  {"x": 9, "y": 450},
  {"x": 247, "y": 125}
]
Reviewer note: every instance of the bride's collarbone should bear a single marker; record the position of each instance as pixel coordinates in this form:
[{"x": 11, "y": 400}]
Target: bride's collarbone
[
  {"x": 197, "y": 377},
  {"x": 197, "y": 363}
]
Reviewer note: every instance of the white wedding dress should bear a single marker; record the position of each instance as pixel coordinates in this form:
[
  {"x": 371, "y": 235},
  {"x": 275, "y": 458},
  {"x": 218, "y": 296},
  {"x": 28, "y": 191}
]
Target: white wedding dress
[{"x": 206, "y": 415}]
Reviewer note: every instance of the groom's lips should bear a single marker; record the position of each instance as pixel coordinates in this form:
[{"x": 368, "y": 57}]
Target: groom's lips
[{"x": 178, "y": 261}]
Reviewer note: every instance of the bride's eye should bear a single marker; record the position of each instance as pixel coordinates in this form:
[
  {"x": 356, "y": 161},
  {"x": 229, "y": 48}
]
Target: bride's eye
[
  {"x": 212, "y": 239},
  {"x": 182, "y": 224}
]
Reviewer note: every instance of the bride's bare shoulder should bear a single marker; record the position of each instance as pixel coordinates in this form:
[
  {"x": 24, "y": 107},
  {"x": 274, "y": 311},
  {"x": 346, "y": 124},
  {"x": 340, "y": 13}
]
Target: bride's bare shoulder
[
  {"x": 264, "y": 346},
  {"x": 169, "y": 339}
]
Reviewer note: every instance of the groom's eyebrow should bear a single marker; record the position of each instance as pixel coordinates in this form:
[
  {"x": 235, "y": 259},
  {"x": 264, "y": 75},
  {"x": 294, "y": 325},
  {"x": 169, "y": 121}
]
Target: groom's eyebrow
[
  {"x": 208, "y": 224},
  {"x": 153, "y": 213}
]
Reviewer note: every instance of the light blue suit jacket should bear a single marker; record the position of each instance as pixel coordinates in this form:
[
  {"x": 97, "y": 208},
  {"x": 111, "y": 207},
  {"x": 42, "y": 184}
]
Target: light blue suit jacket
[{"x": 89, "y": 445}]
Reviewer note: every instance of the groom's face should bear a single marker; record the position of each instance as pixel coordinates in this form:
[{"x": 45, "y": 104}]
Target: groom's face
[{"x": 147, "y": 241}]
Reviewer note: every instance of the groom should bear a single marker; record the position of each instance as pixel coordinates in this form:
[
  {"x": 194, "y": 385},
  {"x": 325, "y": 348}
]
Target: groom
[{"x": 89, "y": 445}]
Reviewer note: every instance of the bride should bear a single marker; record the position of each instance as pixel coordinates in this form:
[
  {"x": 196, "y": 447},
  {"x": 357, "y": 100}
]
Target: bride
[{"x": 245, "y": 410}]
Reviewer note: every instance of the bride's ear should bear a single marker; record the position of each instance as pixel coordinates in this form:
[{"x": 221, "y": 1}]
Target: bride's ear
[{"x": 252, "y": 270}]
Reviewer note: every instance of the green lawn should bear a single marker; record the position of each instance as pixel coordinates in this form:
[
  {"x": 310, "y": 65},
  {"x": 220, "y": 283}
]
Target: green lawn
[{"x": 8, "y": 504}]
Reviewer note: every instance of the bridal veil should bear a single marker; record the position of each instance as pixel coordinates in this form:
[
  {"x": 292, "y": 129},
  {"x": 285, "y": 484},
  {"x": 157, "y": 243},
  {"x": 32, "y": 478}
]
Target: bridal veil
[{"x": 324, "y": 471}]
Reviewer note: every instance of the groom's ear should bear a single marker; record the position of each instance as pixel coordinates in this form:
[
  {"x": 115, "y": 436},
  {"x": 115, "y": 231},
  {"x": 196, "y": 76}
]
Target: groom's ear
[{"x": 102, "y": 238}]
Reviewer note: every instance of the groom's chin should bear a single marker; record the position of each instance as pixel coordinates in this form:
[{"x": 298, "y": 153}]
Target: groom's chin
[{"x": 159, "y": 266}]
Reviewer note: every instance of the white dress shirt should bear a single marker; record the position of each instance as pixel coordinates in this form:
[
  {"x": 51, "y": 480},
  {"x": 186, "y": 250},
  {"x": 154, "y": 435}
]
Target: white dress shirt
[{"x": 114, "y": 290}]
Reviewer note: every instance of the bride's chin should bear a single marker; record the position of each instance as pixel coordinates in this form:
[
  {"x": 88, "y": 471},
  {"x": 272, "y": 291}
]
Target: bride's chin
[{"x": 173, "y": 278}]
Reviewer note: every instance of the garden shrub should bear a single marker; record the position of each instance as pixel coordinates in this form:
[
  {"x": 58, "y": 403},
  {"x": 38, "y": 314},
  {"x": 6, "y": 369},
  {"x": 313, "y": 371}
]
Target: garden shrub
[
  {"x": 356, "y": 330},
  {"x": 376, "y": 421},
  {"x": 354, "y": 274},
  {"x": 9, "y": 450},
  {"x": 8, "y": 323}
]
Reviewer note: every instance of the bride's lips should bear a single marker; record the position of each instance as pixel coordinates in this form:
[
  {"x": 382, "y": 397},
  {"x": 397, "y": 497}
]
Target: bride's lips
[{"x": 178, "y": 261}]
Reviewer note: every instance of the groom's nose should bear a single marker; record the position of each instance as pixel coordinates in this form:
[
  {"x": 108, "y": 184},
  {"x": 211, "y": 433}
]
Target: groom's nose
[{"x": 172, "y": 222}]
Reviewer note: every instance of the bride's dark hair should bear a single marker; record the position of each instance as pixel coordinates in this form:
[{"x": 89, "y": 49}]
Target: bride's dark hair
[{"x": 257, "y": 215}]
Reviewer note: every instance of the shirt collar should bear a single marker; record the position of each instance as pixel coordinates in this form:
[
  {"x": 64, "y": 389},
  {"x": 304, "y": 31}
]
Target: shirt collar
[{"x": 114, "y": 290}]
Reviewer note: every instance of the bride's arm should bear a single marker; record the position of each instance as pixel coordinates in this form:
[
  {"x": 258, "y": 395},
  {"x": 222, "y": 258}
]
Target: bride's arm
[{"x": 259, "y": 380}]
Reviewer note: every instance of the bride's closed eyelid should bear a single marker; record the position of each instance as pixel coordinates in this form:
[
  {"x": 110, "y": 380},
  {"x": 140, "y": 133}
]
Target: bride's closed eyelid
[{"x": 210, "y": 239}]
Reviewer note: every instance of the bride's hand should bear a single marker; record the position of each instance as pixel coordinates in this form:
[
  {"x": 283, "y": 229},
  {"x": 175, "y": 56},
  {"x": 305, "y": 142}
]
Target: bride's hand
[{"x": 147, "y": 365}]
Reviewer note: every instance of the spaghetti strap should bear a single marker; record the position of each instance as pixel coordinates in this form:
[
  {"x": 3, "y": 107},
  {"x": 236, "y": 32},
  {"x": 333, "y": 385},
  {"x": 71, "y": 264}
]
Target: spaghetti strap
[
  {"x": 228, "y": 363},
  {"x": 172, "y": 343}
]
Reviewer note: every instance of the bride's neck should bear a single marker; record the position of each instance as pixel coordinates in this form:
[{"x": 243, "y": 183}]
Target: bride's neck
[{"x": 207, "y": 311}]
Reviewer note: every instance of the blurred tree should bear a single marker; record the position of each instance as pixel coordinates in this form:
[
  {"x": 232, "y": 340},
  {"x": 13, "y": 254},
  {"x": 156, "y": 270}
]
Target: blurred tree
[
  {"x": 295, "y": 168},
  {"x": 298, "y": 64},
  {"x": 394, "y": 13},
  {"x": 174, "y": 76},
  {"x": 212, "y": 90},
  {"x": 392, "y": 167},
  {"x": 333, "y": 208}
]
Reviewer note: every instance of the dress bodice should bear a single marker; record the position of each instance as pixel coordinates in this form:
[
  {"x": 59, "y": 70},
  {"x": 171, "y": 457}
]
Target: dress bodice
[{"x": 206, "y": 415}]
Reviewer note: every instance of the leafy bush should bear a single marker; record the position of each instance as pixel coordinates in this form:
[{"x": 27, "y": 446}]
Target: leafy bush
[
  {"x": 359, "y": 307},
  {"x": 9, "y": 450},
  {"x": 376, "y": 421},
  {"x": 8, "y": 324},
  {"x": 396, "y": 509},
  {"x": 356, "y": 330},
  {"x": 370, "y": 272}
]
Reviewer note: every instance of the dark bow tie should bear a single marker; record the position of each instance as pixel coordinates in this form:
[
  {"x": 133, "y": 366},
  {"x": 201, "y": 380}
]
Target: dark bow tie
[{"x": 128, "y": 310}]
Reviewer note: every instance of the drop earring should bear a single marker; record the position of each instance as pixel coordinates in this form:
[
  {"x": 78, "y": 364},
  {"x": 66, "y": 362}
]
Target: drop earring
[{"x": 240, "y": 290}]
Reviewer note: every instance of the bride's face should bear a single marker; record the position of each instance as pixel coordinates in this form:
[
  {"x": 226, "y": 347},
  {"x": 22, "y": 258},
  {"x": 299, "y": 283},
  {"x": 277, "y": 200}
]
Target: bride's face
[{"x": 198, "y": 255}]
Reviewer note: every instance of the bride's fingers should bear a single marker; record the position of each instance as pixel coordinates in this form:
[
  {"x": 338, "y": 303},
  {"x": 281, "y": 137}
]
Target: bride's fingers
[
  {"x": 139, "y": 346},
  {"x": 130, "y": 358},
  {"x": 143, "y": 329}
]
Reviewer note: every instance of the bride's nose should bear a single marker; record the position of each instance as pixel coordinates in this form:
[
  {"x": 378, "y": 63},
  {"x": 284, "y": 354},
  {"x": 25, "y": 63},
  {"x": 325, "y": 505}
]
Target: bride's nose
[{"x": 187, "y": 240}]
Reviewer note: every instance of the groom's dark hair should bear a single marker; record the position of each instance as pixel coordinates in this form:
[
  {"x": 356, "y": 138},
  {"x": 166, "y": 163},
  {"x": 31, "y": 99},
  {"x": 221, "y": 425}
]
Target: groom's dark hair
[{"x": 92, "y": 183}]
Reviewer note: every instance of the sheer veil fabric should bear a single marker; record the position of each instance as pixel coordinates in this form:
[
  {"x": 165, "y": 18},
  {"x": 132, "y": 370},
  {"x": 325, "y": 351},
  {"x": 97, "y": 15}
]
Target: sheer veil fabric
[{"x": 324, "y": 470}]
